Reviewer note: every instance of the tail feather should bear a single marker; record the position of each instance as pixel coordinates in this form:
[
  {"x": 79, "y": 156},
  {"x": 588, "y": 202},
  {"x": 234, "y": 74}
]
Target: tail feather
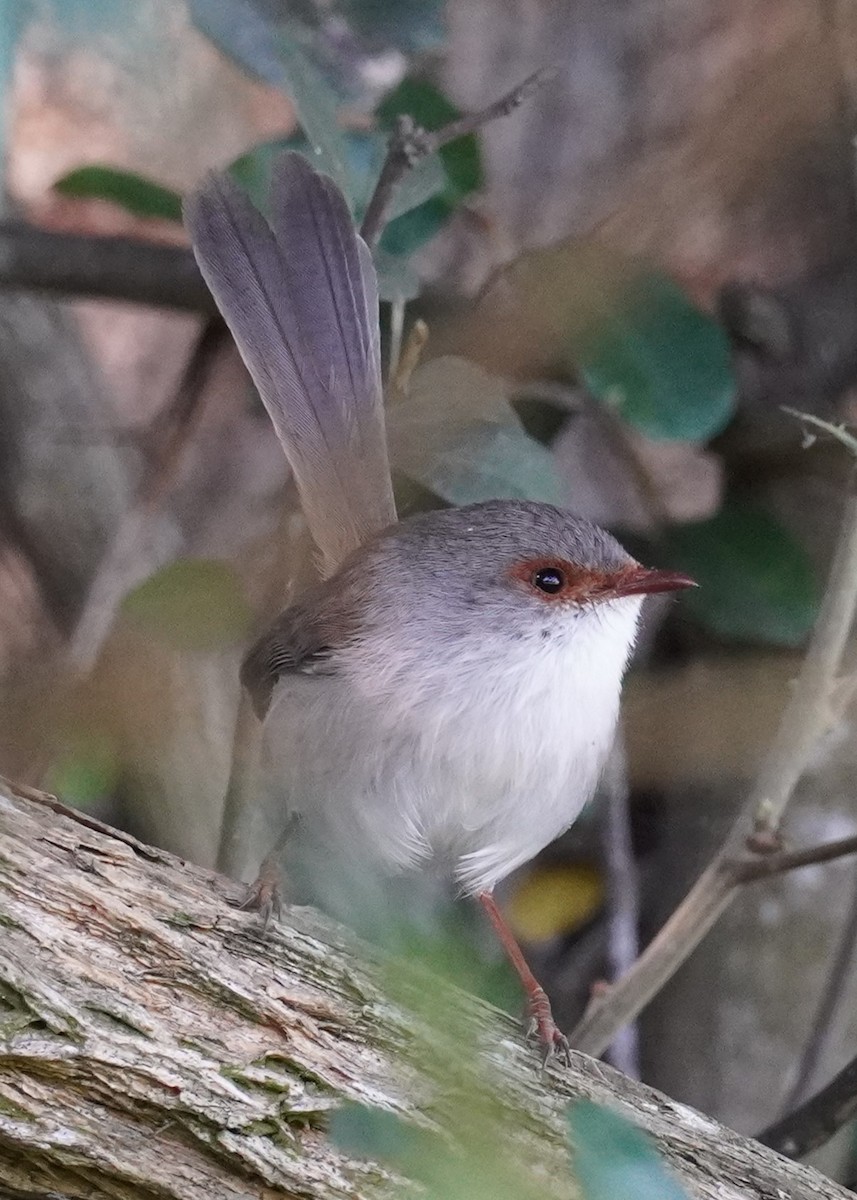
[{"x": 301, "y": 298}]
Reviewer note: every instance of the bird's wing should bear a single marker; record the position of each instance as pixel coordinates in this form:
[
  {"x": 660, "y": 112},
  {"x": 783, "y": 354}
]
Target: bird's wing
[
  {"x": 300, "y": 296},
  {"x": 304, "y": 640}
]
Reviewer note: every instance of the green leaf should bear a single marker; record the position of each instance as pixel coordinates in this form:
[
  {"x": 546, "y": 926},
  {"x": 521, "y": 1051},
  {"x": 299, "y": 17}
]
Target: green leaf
[
  {"x": 457, "y": 435},
  {"x": 130, "y": 191},
  {"x": 756, "y": 583},
  {"x": 406, "y": 234},
  {"x": 194, "y": 604},
  {"x": 613, "y": 1159},
  {"x": 87, "y": 770},
  {"x": 662, "y": 363}
]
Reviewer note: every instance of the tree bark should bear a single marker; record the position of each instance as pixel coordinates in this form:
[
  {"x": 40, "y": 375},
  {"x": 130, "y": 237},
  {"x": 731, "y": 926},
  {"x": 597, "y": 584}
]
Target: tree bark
[{"x": 152, "y": 1044}]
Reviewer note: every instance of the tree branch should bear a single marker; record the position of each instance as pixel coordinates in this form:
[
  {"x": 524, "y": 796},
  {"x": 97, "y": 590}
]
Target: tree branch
[
  {"x": 152, "y": 1044},
  {"x": 110, "y": 268},
  {"x": 757, "y": 825},
  {"x": 811, "y": 1125}
]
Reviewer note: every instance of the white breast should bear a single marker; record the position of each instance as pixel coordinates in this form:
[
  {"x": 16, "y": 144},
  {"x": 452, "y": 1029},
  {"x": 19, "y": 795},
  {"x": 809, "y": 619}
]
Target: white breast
[{"x": 479, "y": 770}]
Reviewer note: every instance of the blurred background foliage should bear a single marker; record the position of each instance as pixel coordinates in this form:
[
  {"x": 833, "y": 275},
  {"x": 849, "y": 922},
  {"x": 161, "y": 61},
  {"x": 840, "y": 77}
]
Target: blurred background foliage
[{"x": 624, "y": 282}]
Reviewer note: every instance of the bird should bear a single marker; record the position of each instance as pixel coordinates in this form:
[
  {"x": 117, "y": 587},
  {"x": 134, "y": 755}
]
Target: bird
[{"x": 444, "y": 698}]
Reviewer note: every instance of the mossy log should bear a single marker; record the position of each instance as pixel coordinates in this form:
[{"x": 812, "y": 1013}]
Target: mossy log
[{"x": 153, "y": 1044}]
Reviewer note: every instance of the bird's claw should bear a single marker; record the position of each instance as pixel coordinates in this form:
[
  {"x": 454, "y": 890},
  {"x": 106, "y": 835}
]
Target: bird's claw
[
  {"x": 543, "y": 1030},
  {"x": 264, "y": 895}
]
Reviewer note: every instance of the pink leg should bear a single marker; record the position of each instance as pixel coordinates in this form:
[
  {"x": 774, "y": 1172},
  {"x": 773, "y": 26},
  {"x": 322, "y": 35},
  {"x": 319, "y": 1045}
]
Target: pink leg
[{"x": 542, "y": 1024}]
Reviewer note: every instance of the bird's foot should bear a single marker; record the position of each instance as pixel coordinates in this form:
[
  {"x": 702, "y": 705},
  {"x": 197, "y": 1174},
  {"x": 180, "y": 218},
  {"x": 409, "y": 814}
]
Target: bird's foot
[
  {"x": 542, "y": 1029},
  {"x": 264, "y": 894}
]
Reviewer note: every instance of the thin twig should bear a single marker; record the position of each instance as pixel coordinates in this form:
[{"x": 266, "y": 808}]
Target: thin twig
[
  {"x": 751, "y": 870},
  {"x": 623, "y": 899},
  {"x": 110, "y": 268},
  {"x": 805, "y": 718},
  {"x": 815, "y": 1122},
  {"x": 410, "y": 357},
  {"x": 409, "y": 143}
]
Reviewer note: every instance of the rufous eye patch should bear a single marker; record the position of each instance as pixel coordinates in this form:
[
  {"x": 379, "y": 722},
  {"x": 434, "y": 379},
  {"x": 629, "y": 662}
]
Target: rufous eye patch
[{"x": 557, "y": 579}]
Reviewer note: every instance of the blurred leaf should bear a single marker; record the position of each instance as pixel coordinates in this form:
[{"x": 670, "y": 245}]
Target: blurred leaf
[
  {"x": 316, "y": 104},
  {"x": 371, "y": 1133},
  {"x": 414, "y": 26},
  {"x": 86, "y": 772},
  {"x": 83, "y": 18},
  {"x": 756, "y": 583},
  {"x": 279, "y": 53},
  {"x": 407, "y": 233},
  {"x": 194, "y": 604},
  {"x": 130, "y": 191},
  {"x": 457, "y": 435},
  {"x": 613, "y": 1159},
  {"x": 663, "y": 364},
  {"x": 418, "y": 189},
  {"x": 14, "y": 16},
  {"x": 551, "y": 901},
  {"x": 244, "y": 34},
  {"x": 397, "y": 280}
]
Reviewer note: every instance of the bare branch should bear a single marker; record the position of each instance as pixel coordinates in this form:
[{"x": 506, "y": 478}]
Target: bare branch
[
  {"x": 409, "y": 143},
  {"x": 110, "y": 268},
  {"x": 750, "y": 870}
]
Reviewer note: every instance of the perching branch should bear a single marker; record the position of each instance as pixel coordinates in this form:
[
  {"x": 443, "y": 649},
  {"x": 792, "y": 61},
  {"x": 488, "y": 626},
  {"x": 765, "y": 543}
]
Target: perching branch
[
  {"x": 805, "y": 719},
  {"x": 109, "y": 268},
  {"x": 409, "y": 143},
  {"x": 152, "y": 1044}
]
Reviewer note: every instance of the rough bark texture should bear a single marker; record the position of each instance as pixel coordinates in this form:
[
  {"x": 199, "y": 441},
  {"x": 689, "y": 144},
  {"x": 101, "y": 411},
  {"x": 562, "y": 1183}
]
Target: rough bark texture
[{"x": 151, "y": 1044}]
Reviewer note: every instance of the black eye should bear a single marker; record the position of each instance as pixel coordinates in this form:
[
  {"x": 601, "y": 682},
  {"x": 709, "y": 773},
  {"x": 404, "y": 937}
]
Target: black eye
[{"x": 550, "y": 580}]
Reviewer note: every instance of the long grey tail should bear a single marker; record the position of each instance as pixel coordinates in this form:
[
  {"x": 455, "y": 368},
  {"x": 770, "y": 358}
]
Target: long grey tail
[{"x": 301, "y": 298}]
